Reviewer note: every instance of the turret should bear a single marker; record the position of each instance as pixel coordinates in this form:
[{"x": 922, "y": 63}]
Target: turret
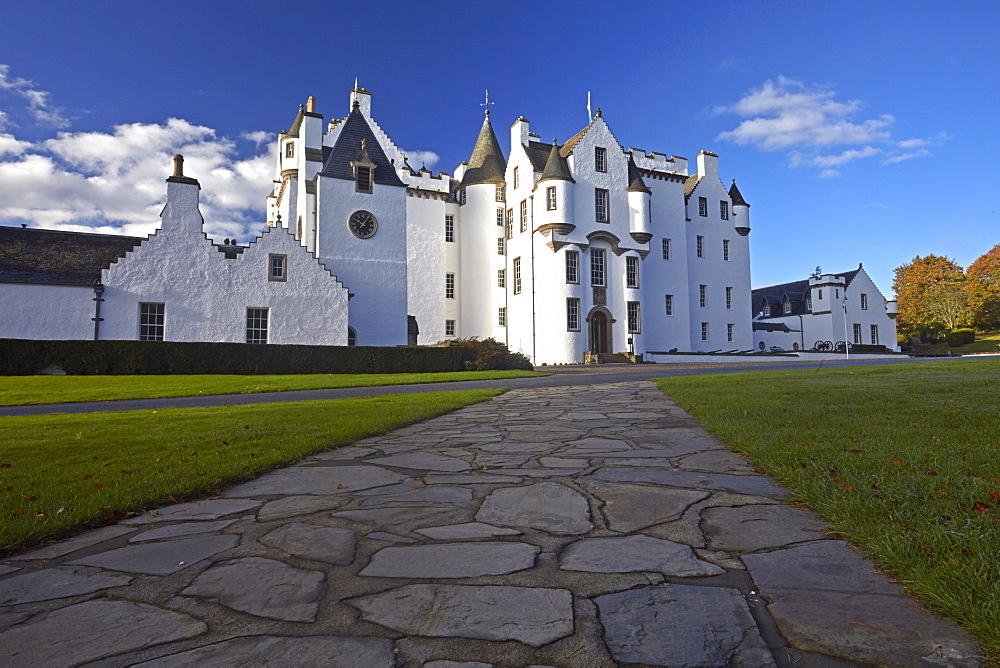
[
  {"x": 555, "y": 191},
  {"x": 638, "y": 204},
  {"x": 741, "y": 211}
]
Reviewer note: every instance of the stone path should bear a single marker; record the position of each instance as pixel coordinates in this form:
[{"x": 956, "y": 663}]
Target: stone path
[{"x": 586, "y": 526}]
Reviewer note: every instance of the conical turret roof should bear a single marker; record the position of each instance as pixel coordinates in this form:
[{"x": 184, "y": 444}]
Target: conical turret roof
[
  {"x": 487, "y": 164},
  {"x": 635, "y": 182},
  {"x": 736, "y": 196},
  {"x": 556, "y": 167}
]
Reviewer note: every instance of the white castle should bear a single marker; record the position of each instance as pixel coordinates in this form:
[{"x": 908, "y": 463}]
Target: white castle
[{"x": 563, "y": 251}]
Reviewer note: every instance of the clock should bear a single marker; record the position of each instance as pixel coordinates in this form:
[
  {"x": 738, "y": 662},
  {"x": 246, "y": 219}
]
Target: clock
[{"x": 362, "y": 224}]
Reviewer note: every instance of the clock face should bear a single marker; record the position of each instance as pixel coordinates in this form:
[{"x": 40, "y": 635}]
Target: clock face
[{"x": 362, "y": 224}]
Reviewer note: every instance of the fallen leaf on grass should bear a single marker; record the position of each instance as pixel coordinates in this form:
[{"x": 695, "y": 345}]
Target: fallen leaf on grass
[{"x": 981, "y": 507}]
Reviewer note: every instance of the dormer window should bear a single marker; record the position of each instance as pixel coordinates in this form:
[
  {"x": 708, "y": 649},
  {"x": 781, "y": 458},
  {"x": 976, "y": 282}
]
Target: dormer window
[
  {"x": 364, "y": 171},
  {"x": 809, "y": 302},
  {"x": 364, "y": 179},
  {"x": 767, "y": 310},
  {"x": 787, "y": 305}
]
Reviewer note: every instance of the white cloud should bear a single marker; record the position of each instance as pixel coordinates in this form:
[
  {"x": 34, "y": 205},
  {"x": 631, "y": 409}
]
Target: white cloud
[
  {"x": 836, "y": 160},
  {"x": 891, "y": 160},
  {"x": 113, "y": 182},
  {"x": 38, "y": 100},
  {"x": 258, "y": 137},
  {"x": 829, "y": 174},
  {"x": 911, "y": 143},
  {"x": 416, "y": 159}
]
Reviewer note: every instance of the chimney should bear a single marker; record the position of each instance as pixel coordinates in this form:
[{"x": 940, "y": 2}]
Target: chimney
[
  {"x": 181, "y": 209},
  {"x": 311, "y": 105},
  {"x": 708, "y": 164}
]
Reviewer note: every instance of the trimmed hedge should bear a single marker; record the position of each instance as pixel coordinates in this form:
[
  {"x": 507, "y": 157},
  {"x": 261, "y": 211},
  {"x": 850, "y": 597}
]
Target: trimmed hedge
[
  {"x": 868, "y": 348},
  {"x": 26, "y": 357},
  {"x": 960, "y": 337}
]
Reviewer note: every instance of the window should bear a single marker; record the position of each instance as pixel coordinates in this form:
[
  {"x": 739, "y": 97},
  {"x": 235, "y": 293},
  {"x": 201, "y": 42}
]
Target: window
[
  {"x": 669, "y": 300},
  {"x": 364, "y": 179},
  {"x": 524, "y": 215},
  {"x": 724, "y": 212},
  {"x": 277, "y": 267},
  {"x": 632, "y": 309},
  {"x": 600, "y": 159},
  {"x": 786, "y": 305},
  {"x": 449, "y": 286},
  {"x": 704, "y": 331},
  {"x": 151, "y": 319},
  {"x": 501, "y": 278},
  {"x": 501, "y": 246},
  {"x": 729, "y": 329},
  {"x": 517, "y": 178},
  {"x": 572, "y": 267},
  {"x": 725, "y": 250},
  {"x": 449, "y": 328},
  {"x": 461, "y": 196},
  {"x": 631, "y": 271},
  {"x": 601, "y": 205},
  {"x": 500, "y": 218},
  {"x": 864, "y": 302},
  {"x": 550, "y": 198},
  {"x": 836, "y": 294},
  {"x": 517, "y": 275},
  {"x": 666, "y": 249},
  {"x": 702, "y": 206},
  {"x": 449, "y": 227},
  {"x": 857, "y": 332},
  {"x": 509, "y": 229},
  {"x": 819, "y": 294},
  {"x": 874, "y": 330},
  {"x": 502, "y": 316},
  {"x": 289, "y": 150},
  {"x": 703, "y": 295},
  {"x": 597, "y": 267},
  {"x": 729, "y": 297},
  {"x": 352, "y": 337},
  {"x": 700, "y": 246},
  {"x": 573, "y": 314},
  {"x": 501, "y": 193},
  {"x": 257, "y": 325},
  {"x": 767, "y": 309},
  {"x": 809, "y": 301}
]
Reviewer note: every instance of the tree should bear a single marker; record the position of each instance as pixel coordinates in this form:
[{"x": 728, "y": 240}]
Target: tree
[
  {"x": 912, "y": 284},
  {"x": 983, "y": 289},
  {"x": 948, "y": 304}
]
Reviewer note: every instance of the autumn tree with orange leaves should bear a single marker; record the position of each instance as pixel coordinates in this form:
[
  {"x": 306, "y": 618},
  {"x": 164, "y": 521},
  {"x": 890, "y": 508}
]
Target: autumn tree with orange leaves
[
  {"x": 921, "y": 288},
  {"x": 982, "y": 286}
]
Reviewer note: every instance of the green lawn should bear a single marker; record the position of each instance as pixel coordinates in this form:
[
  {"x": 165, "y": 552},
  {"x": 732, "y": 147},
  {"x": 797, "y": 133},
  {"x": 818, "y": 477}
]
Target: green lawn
[
  {"x": 61, "y": 472},
  {"x": 903, "y": 460},
  {"x": 21, "y": 390},
  {"x": 987, "y": 342}
]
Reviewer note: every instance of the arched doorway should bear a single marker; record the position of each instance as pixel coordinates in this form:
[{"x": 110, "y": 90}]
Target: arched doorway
[{"x": 599, "y": 323}]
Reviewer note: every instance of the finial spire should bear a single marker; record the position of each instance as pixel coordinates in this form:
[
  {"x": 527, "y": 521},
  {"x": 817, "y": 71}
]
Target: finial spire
[
  {"x": 487, "y": 103},
  {"x": 590, "y": 116},
  {"x": 355, "y": 83},
  {"x": 178, "y": 165}
]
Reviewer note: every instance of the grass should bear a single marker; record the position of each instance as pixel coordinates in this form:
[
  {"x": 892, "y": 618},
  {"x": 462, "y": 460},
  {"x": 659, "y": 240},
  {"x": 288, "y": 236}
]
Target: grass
[
  {"x": 901, "y": 459},
  {"x": 22, "y": 390},
  {"x": 986, "y": 342},
  {"x": 62, "y": 472}
]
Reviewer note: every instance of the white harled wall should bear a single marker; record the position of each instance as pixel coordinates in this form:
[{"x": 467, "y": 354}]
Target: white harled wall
[{"x": 55, "y": 312}]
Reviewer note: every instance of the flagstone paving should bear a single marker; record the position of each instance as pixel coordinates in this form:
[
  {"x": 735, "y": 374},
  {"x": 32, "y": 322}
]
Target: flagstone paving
[{"x": 583, "y": 526}]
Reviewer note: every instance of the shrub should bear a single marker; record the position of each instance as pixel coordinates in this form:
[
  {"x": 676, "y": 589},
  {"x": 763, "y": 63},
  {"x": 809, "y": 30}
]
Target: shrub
[
  {"x": 960, "y": 337},
  {"x": 491, "y": 355}
]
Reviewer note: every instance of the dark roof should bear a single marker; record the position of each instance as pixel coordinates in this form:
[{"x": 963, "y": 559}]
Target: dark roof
[
  {"x": 487, "y": 164},
  {"x": 538, "y": 154},
  {"x": 690, "y": 183},
  {"x": 795, "y": 291},
  {"x": 736, "y": 196},
  {"x": 556, "y": 168},
  {"x": 635, "y": 182},
  {"x": 769, "y": 327},
  {"x": 52, "y": 257},
  {"x": 337, "y": 159}
]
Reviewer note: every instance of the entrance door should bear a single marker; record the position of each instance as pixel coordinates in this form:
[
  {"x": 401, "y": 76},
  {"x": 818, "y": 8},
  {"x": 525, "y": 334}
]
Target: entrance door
[{"x": 600, "y": 339}]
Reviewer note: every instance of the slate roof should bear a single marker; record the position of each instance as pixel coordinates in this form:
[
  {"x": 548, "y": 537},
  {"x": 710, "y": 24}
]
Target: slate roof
[
  {"x": 487, "y": 164},
  {"x": 337, "y": 158},
  {"x": 51, "y": 257},
  {"x": 690, "y": 183},
  {"x": 556, "y": 168},
  {"x": 769, "y": 327},
  {"x": 736, "y": 195},
  {"x": 538, "y": 153},
  {"x": 795, "y": 291},
  {"x": 635, "y": 182}
]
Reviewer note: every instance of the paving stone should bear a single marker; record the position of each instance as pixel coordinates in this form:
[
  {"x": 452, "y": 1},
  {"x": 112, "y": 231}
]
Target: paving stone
[
  {"x": 4, "y": 570},
  {"x": 9, "y": 619},
  {"x": 872, "y": 628},
  {"x": 531, "y": 615},
  {"x": 547, "y": 506},
  {"x": 317, "y": 480},
  {"x": 636, "y": 453},
  {"x": 293, "y": 506},
  {"x": 741, "y": 484},
  {"x": 629, "y": 508},
  {"x": 343, "y": 453},
  {"x": 54, "y": 583},
  {"x": 521, "y": 447},
  {"x": 438, "y": 494},
  {"x": 652, "y": 462},
  {"x": 390, "y": 537},
  {"x": 391, "y": 516},
  {"x": 469, "y": 479},
  {"x": 388, "y": 489},
  {"x": 310, "y": 541},
  {"x": 751, "y": 528},
  {"x": 424, "y": 461},
  {"x": 451, "y": 560},
  {"x": 629, "y": 554},
  {"x": 457, "y": 664},
  {"x": 331, "y": 651},
  {"x": 94, "y": 630},
  {"x": 184, "y": 529},
  {"x": 558, "y": 462},
  {"x": 501, "y": 460},
  {"x": 716, "y": 461},
  {"x": 537, "y": 473},
  {"x": 210, "y": 509},
  {"x": 681, "y": 625},
  {"x": 278, "y": 591},
  {"x": 78, "y": 542},
  {"x": 829, "y": 565},
  {"x": 466, "y": 530},
  {"x": 160, "y": 558}
]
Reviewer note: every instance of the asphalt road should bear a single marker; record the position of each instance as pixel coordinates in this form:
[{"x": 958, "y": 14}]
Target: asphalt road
[{"x": 562, "y": 376}]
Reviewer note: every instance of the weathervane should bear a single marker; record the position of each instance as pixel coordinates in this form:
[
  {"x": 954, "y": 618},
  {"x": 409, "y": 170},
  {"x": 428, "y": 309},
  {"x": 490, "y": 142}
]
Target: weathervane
[{"x": 487, "y": 103}]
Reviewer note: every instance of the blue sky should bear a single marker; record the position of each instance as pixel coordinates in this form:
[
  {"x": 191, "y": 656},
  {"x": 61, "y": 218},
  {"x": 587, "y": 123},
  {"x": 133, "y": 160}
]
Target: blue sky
[{"x": 858, "y": 131}]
